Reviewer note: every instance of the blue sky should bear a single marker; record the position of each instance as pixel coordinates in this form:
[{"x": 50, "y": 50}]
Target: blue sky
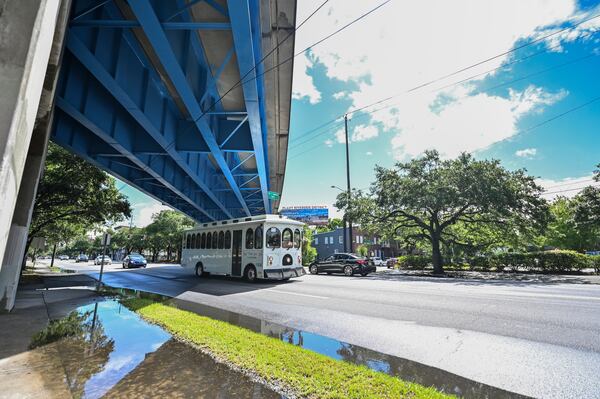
[
  {"x": 469, "y": 117},
  {"x": 405, "y": 44}
]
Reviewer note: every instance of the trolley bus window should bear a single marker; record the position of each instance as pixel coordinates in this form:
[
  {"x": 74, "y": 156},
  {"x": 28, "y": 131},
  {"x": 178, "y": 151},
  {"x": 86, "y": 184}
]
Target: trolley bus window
[
  {"x": 297, "y": 239},
  {"x": 249, "y": 239},
  {"x": 194, "y": 242},
  {"x": 221, "y": 239},
  {"x": 203, "y": 241},
  {"x": 228, "y": 239},
  {"x": 188, "y": 241},
  {"x": 215, "y": 240},
  {"x": 287, "y": 238},
  {"x": 273, "y": 238},
  {"x": 258, "y": 237},
  {"x": 208, "y": 241}
]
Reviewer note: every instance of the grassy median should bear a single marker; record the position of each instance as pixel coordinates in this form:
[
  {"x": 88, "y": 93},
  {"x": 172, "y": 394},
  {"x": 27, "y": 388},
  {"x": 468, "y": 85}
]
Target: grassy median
[{"x": 306, "y": 373}]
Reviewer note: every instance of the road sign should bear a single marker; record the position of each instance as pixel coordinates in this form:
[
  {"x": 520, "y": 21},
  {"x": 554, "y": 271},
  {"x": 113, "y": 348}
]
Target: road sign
[
  {"x": 273, "y": 195},
  {"x": 38, "y": 243},
  {"x": 106, "y": 239}
]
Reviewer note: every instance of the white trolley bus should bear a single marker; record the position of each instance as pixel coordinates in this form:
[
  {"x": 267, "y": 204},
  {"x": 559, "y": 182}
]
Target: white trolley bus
[{"x": 265, "y": 246}]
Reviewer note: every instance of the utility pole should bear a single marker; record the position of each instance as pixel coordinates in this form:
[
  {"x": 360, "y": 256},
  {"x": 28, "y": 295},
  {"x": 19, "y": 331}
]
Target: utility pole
[{"x": 348, "y": 180}]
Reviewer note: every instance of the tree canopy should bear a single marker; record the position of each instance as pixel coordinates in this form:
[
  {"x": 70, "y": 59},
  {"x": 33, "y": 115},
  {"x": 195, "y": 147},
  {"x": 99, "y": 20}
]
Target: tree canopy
[
  {"x": 429, "y": 198},
  {"x": 73, "y": 196}
]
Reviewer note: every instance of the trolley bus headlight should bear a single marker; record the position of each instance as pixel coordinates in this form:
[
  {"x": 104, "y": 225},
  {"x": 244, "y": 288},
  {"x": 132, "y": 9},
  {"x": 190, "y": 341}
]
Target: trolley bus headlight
[
  {"x": 299, "y": 259},
  {"x": 270, "y": 260}
]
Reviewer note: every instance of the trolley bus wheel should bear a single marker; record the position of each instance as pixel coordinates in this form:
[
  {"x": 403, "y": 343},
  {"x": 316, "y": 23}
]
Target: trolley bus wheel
[
  {"x": 250, "y": 274},
  {"x": 199, "y": 270}
]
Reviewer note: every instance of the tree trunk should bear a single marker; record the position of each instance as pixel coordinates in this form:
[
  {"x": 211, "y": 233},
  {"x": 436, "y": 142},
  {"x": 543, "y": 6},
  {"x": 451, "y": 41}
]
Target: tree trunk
[{"x": 437, "y": 260}]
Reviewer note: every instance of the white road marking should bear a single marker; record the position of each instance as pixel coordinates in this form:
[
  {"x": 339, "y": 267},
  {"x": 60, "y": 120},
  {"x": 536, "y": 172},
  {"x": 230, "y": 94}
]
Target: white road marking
[{"x": 294, "y": 293}]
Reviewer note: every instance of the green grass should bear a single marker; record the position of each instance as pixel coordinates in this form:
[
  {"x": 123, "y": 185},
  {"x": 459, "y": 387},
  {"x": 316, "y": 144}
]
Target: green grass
[{"x": 306, "y": 373}]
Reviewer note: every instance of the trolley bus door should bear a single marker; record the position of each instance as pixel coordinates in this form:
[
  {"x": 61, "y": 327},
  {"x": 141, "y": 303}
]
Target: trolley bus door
[{"x": 236, "y": 254}]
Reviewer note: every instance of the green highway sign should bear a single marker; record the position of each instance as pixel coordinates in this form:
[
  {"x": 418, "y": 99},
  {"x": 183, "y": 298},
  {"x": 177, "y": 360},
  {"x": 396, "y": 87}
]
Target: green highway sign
[{"x": 273, "y": 195}]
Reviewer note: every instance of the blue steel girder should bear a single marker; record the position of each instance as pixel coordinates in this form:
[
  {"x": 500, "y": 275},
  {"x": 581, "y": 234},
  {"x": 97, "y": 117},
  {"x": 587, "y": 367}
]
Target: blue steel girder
[
  {"x": 158, "y": 120},
  {"x": 246, "y": 39},
  {"x": 174, "y": 181},
  {"x": 121, "y": 24},
  {"x": 72, "y": 135},
  {"x": 156, "y": 36}
]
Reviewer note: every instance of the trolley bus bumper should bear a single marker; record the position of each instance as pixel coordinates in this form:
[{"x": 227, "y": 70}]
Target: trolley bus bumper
[{"x": 284, "y": 273}]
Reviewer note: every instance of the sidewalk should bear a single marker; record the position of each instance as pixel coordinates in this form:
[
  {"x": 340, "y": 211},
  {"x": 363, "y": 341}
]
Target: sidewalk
[{"x": 38, "y": 373}]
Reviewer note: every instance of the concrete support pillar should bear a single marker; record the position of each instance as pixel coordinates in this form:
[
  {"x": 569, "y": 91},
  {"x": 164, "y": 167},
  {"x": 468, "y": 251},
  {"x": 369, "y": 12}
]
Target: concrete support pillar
[{"x": 31, "y": 38}]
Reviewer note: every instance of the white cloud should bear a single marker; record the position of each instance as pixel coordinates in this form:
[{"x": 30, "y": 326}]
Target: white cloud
[
  {"x": 467, "y": 123},
  {"x": 404, "y": 44},
  {"x": 369, "y": 153},
  {"x": 340, "y": 136},
  {"x": 526, "y": 152},
  {"x": 364, "y": 132},
  {"x": 303, "y": 85},
  {"x": 145, "y": 211},
  {"x": 567, "y": 187},
  {"x": 339, "y": 95}
]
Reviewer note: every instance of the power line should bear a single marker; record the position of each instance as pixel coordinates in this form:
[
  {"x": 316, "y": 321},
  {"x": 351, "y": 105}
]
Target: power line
[
  {"x": 562, "y": 65},
  {"x": 241, "y": 82},
  {"x": 477, "y": 63},
  {"x": 472, "y": 77},
  {"x": 527, "y": 130},
  {"x": 569, "y": 184},
  {"x": 171, "y": 144},
  {"x": 569, "y": 190}
]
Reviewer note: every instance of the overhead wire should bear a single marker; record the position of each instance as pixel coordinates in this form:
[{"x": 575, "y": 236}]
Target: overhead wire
[
  {"x": 538, "y": 40},
  {"x": 546, "y": 70}
]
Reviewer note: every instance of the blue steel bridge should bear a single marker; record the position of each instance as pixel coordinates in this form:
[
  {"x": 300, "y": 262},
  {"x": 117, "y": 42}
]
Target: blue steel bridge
[{"x": 150, "y": 91}]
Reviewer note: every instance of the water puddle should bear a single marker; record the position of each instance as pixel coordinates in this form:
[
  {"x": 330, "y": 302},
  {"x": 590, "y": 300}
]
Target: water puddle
[
  {"x": 109, "y": 351},
  {"x": 399, "y": 367}
]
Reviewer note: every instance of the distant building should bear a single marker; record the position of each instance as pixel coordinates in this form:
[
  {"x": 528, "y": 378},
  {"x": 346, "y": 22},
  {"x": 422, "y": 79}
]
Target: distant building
[{"x": 331, "y": 242}]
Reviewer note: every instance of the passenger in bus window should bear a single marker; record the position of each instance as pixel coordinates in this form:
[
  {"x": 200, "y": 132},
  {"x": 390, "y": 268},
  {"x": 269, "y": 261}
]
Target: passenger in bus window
[
  {"x": 287, "y": 239},
  {"x": 273, "y": 238},
  {"x": 258, "y": 237},
  {"x": 297, "y": 239},
  {"x": 215, "y": 239}
]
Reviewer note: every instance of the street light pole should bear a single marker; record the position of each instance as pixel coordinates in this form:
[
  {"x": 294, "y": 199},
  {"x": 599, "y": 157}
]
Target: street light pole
[{"x": 348, "y": 180}]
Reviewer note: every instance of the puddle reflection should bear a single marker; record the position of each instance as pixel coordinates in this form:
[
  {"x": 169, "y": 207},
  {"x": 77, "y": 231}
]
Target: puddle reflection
[
  {"x": 114, "y": 353},
  {"x": 406, "y": 369}
]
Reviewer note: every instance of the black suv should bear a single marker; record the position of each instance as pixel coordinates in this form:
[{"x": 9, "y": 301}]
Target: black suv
[{"x": 348, "y": 264}]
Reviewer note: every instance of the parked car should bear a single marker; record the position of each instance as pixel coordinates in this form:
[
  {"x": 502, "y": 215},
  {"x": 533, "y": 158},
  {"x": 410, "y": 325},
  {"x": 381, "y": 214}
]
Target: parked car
[
  {"x": 377, "y": 261},
  {"x": 134, "y": 260},
  {"x": 391, "y": 263},
  {"x": 102, "y": 259},
  {"x": 349, "y": 264},
  {"x": 81, "y": 258},
  {"x": 63, "y": 257}
]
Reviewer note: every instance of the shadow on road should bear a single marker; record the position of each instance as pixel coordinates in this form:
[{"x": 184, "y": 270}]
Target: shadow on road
[{"x": 496, "y": 279}]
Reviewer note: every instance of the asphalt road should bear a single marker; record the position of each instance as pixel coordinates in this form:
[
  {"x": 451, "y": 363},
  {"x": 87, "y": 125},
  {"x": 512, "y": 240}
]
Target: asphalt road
[{"x": 537, "y": 339}]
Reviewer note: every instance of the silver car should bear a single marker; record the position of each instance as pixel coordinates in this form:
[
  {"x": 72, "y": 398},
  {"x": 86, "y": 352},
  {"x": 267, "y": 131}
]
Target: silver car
[{"x": 102, "y": 259}]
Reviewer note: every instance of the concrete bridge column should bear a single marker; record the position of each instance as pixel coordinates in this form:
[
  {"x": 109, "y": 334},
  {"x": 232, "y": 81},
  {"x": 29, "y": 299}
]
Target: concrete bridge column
[{"x": 31, "y": 36}]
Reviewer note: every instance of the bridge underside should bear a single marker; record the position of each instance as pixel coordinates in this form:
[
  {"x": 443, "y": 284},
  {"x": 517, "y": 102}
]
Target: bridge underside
[{"x": 150, "y": 91}]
